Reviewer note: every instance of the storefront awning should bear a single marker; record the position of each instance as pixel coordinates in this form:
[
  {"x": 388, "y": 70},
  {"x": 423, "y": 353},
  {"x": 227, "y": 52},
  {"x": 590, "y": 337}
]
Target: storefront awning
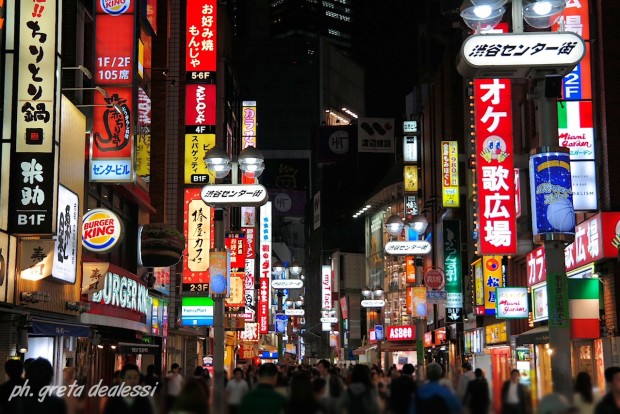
[
  {"x": 389, "y": 346},
  {"x": 362, "y": 349},
  {"x": 49, "y": 328},
  {"x": 536, "y": 336}
]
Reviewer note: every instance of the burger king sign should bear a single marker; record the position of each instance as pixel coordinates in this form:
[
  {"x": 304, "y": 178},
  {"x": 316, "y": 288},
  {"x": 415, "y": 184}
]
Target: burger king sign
[{"x": 101, "y": 230}]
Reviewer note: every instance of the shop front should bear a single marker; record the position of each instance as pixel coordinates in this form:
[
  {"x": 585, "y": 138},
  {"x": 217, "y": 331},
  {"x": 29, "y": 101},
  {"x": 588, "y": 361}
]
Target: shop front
[{"x": 498, "y": 348}]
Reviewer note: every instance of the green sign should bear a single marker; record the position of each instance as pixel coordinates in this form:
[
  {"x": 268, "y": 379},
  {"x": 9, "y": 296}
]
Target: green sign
[{"x": 453, "y": 270}]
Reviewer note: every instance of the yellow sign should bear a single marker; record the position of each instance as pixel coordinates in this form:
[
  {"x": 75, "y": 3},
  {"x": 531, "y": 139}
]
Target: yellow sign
[
  {"x": 410, "y": 177},
  {"x": 418, "y": 299},
  {"x": 196, "y": 147},
  {"x": 478, "y": 283},
  {"x": 493, "y": 278},
  {"x": 496, "y": 333},
  {"x": 450, "y": 173}
]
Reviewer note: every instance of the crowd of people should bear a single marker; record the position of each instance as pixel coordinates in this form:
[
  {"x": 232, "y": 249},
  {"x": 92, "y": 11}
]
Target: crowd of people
[{"x": 323, "y": 388}]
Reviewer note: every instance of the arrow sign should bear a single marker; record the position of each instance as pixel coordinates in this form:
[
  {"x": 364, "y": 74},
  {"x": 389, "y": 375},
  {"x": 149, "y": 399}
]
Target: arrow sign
[
  {"x": 287, "y": 284},
  {"x": 408, "y": 248},
  {"x": 454, "y": 314},
  {"x": 234, "y": 195}
]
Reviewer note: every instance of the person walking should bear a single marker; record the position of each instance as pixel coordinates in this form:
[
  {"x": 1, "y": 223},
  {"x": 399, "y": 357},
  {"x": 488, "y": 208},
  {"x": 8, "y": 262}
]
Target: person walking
[
  {"x": 193, "y": 398},
  {"x": 302, "y": 399},
  {"x": 174, "y": 383},
  {"x": 14, "y": 369},
  {"x": 130, "y": 377},
  {"x": 360, "y": 397},
  {"x": 402, "y": 389},
  {"x": 476, "y": 397},
  {"x": 466, "y": 376},
  {"x": 433, "y": 397},
  {"x": 236, "y": 389},
  {"x": 264, "y": 399},
  {"x": 584, "y": 398},
  {"x": 610, "y": 404},
  {"x": 514, "y": 396},
  {"x": 39, "y": 374}
]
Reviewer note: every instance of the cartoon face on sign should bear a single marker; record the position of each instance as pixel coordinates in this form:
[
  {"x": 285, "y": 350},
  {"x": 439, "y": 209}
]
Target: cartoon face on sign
[
  {"x": 494, "y": 149},
  {"x": 117, "y": 122}
]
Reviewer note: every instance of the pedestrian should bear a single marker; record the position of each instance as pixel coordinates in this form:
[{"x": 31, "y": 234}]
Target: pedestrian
[
  {"x": 514, "y": 395},
  {"x": 14, "y": 370},
  {"x": 118, "y": 404},
  {"x": 477, "y": 398},
  {"x": 466, "y": 376},
  {"x": 323, "y": 367},
  {"x": 174, "y": 383},
  {"x": 151, "y": 378},
  {"x": 193, "y": 399},
  {"x": 302, "y": 399},
  {"x": 584, "y": 398},
  {"x": 555, "y": 403},
  {"x": 39, "y": 374},
  {"x": 402, "y": 388},
  {"x": 264, "y": 399},
  {"x": 433, "y": 397},
  {"x": 610, "y": 404},
  {"x": 236, "y": 389},
  {"x": 361, "y": 395}
]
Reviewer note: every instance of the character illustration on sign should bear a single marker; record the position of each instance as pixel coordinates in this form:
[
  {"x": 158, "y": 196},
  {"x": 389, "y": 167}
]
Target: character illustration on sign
[
  {"x": 117, "y": 125},
  {"x": 64, "y": 233},
  {"x": 494, "y": 149},
  {"x": 616, "y": 240}
]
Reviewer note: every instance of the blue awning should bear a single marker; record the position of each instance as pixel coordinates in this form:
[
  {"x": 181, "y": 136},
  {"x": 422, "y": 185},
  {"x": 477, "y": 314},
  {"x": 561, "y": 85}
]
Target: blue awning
[{"x": 59, "y": 329}]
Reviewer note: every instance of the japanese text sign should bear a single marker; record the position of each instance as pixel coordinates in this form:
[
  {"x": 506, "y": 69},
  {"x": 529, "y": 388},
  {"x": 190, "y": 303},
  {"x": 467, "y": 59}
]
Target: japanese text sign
[
  {"x": 249, "y": 333},
  {"x": 198, "y": 226},
  {"x": 453, "y": 266},
  {"x": 196, "y": 147},
  {"x": 576, "y": 18},
  {"x": 114, "y": 49},
  {"x": 235, "y": 242},
  {"x": 494, "y": 167},
  {"x": 250, "y": 293},
  {"x": 248, "y": 124},
  {"x": 493, "y": 271},
  {"x": 264, "y": 277},
  {"x": 595, "y": 239},
  {"x": 478, "y": 280},
  {"x": 201, "y": 36},
  {"x": 200, "y": 103},
  {"x": 557, "y": 297},
  {"x": 410, "y": 178},
  {"x": 536, "y": 269},
  {"x": 450, "y": 173}
]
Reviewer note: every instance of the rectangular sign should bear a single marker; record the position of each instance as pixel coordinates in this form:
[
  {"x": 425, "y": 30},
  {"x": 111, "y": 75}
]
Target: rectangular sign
[
  {"x": 143, "y": 136},
  {"x": 595, "y": 239},
  {"x": 235, "y": 243},
  {"x": 577, "y": 84},
  {"x": 583, "y": 180},
  {"x": 196, "y": 147},
  {"x": 196, "y": 311},
  {"x": 410, "y": 149},
  {"x": 412, "y": 206},
  {"x": 248, "y": 124},
  {"x": 375, "y": 135},
  {"x": 492, "y": 269},
  {"x": 401, "y": 333},
  {"x": 557, "y": 296},
  {"x": 539, "y": 303},
  {"x": 418, "y": 302},
  {"x": 114, "y": 49},
  {"x": 410, "y": 178},
  {"x": 575, "y": 18},
  {"x": 576, "y": 129},
  {"x": 250, "y": 290},
  {"x": 453, "y": 268},
  {"x": 495, "y": 167},
  {"x": 64, "y": 268},
  {"x": 326, "y": 287},
  {"x": 198, "y": 226},
  {"x": 200, "y": 104},
  {"x": 201, "y": 39},
  {"x": 512, "y": 302},
  {"x": 450, "y": 174},
  {"x": 478, "y": 279},
  {"x": 264, "y": 257}
]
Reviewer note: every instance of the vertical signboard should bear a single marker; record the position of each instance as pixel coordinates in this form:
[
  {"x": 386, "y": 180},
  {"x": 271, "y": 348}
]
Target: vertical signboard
[
  {"x": 478, "y": 280},
  {"x": 64, "y": 267},
  {"x": 143, "y": 139},
  {"x": 264, "y": 280},
  {"x": 450, "y": 174},
  {"x": 493, "y": 271},
  {"x": 248, "y": 124},
  {"x": 536, "y": 270},
  {"x": 34, "y": 176},
  {"x": 198, "y": 226},
  {"x": 112, "y": 139},
  {"x": 557, "y": 299},
  {"x": 326, "y": 294},
  {"x": 495, "y": 166},
  {"x": 453, "y": 270},
  {"x": 201, "y": 40},
  {"x": 552, "y": 199},
  {"x": 196, "y": 147},
  {"x": 410, "y": 178}
]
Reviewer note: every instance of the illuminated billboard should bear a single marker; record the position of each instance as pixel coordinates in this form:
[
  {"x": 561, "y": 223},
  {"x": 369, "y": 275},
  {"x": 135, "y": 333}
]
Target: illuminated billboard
[{"x": 196, "y": 311}]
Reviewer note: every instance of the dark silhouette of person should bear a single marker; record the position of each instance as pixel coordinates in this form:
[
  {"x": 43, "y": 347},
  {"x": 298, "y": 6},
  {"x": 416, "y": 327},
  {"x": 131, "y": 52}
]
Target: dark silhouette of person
[
  {"x": 130, "y": 376},
  {"x": 401, "y": 390},
  {"x": 194, "y": 398},
  {"x": 514, "y": 395},
  {"x": 477, "y": 397},
  {"x": 39, "y": 373},
  {"x": 301, "y": 398},
  {"x": 264, "y": 399},
  {"x": 14, "y": 369}
]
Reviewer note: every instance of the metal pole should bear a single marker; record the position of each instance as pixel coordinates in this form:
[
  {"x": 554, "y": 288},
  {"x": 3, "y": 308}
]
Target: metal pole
[
  {"x": 420, "y": 327},
  {"x": 218, "y": 323},
  {"x": 280, "y": 350},
  {"x": 557, "y": 282},
  {"x": 517, "y": 16},
  {"x": 380, "y": 319}
]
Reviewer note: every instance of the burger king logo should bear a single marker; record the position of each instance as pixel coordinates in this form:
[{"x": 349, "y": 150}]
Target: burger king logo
[
  {"x": 101, "y": 230},
  {"x": 115, "y": 7}
]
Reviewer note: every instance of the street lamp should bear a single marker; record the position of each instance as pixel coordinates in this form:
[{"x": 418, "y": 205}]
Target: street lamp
[
  {"x": 416, "y": 227},
  {"x": 373, "y": 300},
  {"x": 481, "y": 15},
  {"x": 219, "y": 162},
  {"x": 284, "y": 268}
]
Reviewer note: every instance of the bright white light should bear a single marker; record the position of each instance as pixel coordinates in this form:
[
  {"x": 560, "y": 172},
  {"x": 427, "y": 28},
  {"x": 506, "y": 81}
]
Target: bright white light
[
  {"x": 542, "y": 8},
  {"x": 483, "y": 11}
]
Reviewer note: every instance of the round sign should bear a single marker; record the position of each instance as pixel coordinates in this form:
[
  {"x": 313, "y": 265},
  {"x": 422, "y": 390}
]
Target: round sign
[
  {"x": 115, "y": 8},
  {"x": 101, "y": 230},
  {"x": 434, "y": 278}
]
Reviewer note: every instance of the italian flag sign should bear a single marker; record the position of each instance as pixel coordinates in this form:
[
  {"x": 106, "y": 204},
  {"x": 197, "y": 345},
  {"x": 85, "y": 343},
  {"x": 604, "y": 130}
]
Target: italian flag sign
[
  {"x": 575, "y": 129},
  {"x": 583, "y": 305},
  {"x": 575, "y": 114}
]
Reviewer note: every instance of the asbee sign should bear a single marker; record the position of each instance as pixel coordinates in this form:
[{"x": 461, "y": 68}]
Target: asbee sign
[
  {"x": 520, "y": 55},
  {"x": 102, "y": 230}
]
